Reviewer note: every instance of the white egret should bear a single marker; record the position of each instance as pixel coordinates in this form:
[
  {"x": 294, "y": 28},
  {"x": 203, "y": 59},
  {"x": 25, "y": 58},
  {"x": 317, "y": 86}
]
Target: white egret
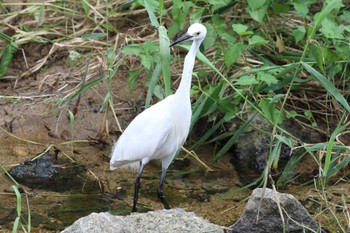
[{"x": 159, "y": 131}]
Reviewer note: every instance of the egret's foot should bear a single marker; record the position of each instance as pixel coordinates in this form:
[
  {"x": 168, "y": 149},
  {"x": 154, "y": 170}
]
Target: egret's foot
[
  {"x": 166, "y": 205},
  {"x": 137, "y": 188},
  {"x": 162, "y": 198}
]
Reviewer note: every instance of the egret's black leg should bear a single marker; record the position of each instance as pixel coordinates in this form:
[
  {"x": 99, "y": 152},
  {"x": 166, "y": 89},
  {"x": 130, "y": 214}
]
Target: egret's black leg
[
  {"x": 137, "y": 187},
  {"x": 160, "y": 190}
]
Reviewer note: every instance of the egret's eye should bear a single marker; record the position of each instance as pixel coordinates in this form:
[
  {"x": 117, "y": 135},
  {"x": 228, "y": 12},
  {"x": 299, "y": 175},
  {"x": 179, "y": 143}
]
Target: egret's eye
[{"x": 197, "y": 33}]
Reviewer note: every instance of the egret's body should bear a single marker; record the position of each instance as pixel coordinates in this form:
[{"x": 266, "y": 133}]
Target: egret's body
[
  {"x": 158, "y": 137},
  {"x": 158, "y": 132}
]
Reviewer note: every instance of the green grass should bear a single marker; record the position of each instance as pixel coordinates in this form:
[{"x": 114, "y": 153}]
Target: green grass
[{"x": 260, "y": 57}]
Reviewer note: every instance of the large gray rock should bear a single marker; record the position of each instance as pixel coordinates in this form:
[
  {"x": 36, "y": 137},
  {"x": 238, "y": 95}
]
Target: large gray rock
[
  {"x": 99, "y": 222},
  {"x": 164, "y": 221},
  {"x": 297, "y": 218}
]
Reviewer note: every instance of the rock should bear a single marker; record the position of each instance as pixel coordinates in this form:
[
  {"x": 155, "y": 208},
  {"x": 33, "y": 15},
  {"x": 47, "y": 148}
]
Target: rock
[
  {"x": 252, "y": 148},
  {"x": 47, "y": 173},
  {"x": 164, "y": 221},
  {"x": 99, "y": 222},
  {"x": 298, "y": 219}
]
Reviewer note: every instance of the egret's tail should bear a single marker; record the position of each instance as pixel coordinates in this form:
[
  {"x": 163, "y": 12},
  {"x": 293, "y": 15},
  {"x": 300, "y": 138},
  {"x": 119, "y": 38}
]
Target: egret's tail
[{"x": 133, "y": 166}]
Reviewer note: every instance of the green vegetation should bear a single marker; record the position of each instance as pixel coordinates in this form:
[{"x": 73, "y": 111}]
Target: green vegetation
[{"x": 282, "y": 60}]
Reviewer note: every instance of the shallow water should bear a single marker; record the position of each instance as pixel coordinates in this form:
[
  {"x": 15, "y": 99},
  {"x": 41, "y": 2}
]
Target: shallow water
[
  {"x": 216, "y": 195},
  {"x": 187, "y": 186}
]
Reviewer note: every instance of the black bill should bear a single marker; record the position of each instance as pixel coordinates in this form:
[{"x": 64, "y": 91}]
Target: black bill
[{"x": 181, "y": 39}]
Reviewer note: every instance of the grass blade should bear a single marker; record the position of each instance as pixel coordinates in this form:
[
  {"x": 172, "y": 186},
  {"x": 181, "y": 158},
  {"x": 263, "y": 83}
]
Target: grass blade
[
  {"x": 164, "y": 51},
  {"x": 328, "y": 85},
  {"x": 153, "y": 84},
  {"x": 19, "y": 207},
  {"x": 15, "y": 225},
  {"x": 151, "y": 15},
  {"x": 233, "y": 139},
  {"x": 327, "y": 163},
  {"x": 29, "y": 223},
  {"x": 209, "y": 133}
]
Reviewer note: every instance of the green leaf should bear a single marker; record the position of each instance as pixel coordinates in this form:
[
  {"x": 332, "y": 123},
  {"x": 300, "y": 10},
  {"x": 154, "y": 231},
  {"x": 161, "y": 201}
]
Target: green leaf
[
  {"x": 246, "y": 80},
  {"x": 308, "y": 114},
  {"x": 258, "y": 15},
  {"x": 330, "y": 5},
  {"x": 328, "y": 85},
  {"x": 256, "y": 39},
  {"x": 301, "y": 8},
  {"x": 211, "y": 37},
  {"x": 85, "y": 6},
  {"x": 148, "y": 53},
  {"x": 147, "y": 61},
  {"x": 332, "y": 30},
  {"x": 132, "y": 49},
  {"x": 254, "y": 4},
  {"x": 268, "y": 78},
  {"x": 292, "y": 114},
  {"x": 270, "y": 111},
  {"x": 232, "y": 54},
  {"x": 276, "y": 98},
  {"x": 217, "y": 5},
  {"x": 6, "y": 57},
  {"x": 180, "y": 11},
  {"x": 280, "y": 8},
  {"x": 73, "y": 55},
  {"x": 196, "y": 15},
  {"x": 299, "y": 33},
  {"x": 241, "y": 29}
]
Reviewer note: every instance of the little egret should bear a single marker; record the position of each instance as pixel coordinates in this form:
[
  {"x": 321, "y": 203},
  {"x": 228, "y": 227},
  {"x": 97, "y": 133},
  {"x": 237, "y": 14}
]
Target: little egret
[{"x": 159, "y": 131}]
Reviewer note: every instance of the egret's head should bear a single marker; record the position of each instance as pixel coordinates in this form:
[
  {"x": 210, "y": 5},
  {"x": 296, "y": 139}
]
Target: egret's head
[{"x": 196, "y": 31}]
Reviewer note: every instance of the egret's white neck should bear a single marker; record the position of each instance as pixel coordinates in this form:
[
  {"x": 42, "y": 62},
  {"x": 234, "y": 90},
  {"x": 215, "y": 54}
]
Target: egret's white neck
[{"x": 185, "y": 84}]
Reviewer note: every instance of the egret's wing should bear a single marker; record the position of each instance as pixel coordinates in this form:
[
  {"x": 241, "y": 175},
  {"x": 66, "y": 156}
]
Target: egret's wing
[{"x": 144, "y": 135}]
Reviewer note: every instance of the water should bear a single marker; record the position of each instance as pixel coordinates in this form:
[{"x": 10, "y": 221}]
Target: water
[{"x": 103, "y": 190}]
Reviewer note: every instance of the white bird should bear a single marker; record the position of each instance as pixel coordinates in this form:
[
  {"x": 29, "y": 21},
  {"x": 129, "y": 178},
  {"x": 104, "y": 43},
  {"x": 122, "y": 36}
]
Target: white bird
[{"x": 159, "y": 131}]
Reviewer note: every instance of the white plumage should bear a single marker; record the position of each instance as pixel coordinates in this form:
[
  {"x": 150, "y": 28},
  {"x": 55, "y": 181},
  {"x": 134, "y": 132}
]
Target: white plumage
[
  {"x": 159, "y": 137},
  {"x": 159, "y": 131}
]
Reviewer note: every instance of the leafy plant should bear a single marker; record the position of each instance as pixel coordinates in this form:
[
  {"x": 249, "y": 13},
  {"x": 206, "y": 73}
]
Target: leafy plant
[{"x": 6, "y": 54}]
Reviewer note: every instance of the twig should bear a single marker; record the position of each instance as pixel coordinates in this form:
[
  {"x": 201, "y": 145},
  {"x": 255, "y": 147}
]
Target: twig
[{"x": 196, "y": 158}]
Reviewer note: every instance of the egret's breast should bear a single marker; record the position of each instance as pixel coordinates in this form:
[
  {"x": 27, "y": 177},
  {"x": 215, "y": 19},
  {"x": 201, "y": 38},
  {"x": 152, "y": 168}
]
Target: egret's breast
[{"x": 181, "y": 121}]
